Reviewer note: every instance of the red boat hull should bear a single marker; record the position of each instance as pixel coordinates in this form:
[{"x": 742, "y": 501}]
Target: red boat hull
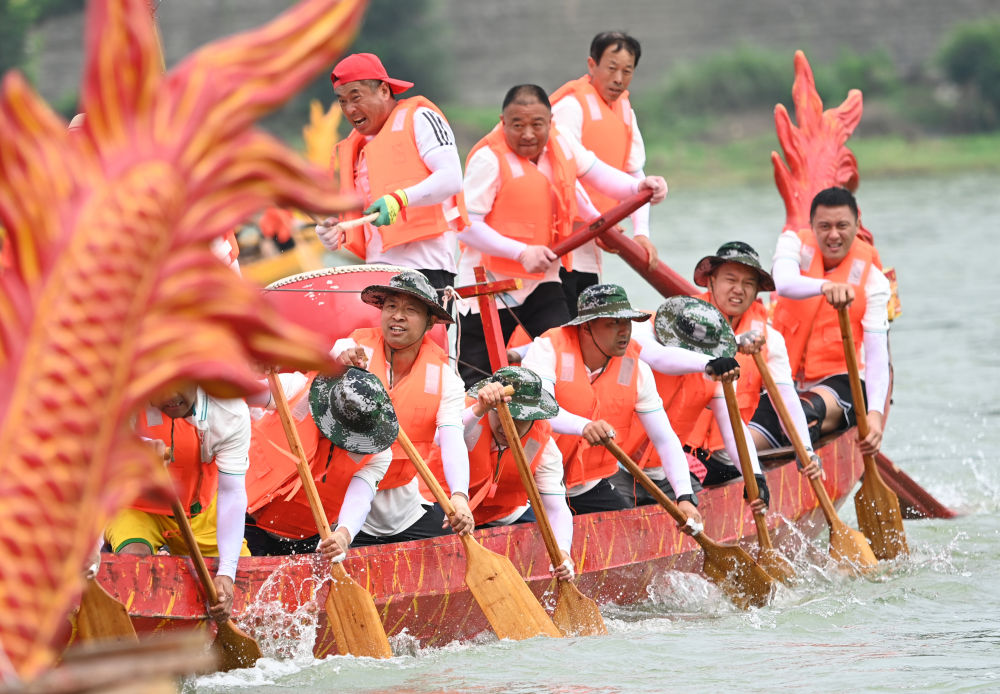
[{"x": 419, "y": 586}]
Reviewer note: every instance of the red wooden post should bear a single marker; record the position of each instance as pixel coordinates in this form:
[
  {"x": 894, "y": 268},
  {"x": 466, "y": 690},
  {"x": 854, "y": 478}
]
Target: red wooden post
[{"x": 484, "y": 292}]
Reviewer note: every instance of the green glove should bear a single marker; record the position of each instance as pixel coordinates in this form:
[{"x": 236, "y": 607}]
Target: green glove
[{"x": 388, "y": 207}]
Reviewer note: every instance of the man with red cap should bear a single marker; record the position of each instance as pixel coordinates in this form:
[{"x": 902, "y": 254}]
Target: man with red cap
[{"x": 401, "y": 159}]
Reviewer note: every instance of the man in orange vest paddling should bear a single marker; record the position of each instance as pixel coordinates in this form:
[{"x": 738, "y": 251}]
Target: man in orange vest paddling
[
  {"x": 817, "y": 271},
  {"x": 429, "y": 398},
  {"x": 521, "y": 191},
  {"x": 595, "y": 109},
  {"x": 401, "y": 159},
  {"x": 498, "y": 496},
  {"x": 592, "y": 367},
  {"x": 205, "y": 442},
  {"x": 733, "y": 277},
  {"x": 346, "y": 425}
]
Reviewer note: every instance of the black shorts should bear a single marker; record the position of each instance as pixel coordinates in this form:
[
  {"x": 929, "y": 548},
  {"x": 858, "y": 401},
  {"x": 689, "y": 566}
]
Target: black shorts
[{"x": 766, "y": 421}]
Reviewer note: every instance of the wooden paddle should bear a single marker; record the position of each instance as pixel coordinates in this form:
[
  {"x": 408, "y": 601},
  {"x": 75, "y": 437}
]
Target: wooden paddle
[
  {"x": 728, "y": 566},
  {"x": 879, "y": 516},
  {"x": 848, "y": 547},
  {"x": 575, "y": 613},
  {"x": 347, "y": 224},
  {"x": 597, "y": 226},
  {"x": 769, "y": 558},
  {"x": 509, "y": 606},
  {"x": 235, "y": 648},
  {"x": 101, "y": 617},
  {"x": 350, "y": 609}
]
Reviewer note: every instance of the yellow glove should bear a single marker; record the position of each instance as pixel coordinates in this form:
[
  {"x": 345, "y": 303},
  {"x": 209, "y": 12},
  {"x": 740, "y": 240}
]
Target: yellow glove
[{"x": 388, "y": 207}]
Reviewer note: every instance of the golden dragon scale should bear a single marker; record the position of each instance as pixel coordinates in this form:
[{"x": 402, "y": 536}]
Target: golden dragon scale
[{"x": 113, "y": 294}]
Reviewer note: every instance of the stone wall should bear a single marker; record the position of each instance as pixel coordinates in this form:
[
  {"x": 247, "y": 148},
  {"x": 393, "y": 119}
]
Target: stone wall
[{"x": 497, "y": 44}]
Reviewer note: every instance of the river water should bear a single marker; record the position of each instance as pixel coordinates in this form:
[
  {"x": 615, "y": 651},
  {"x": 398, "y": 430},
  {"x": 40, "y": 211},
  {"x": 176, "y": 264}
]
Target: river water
[{"x": 929, "y": 623}]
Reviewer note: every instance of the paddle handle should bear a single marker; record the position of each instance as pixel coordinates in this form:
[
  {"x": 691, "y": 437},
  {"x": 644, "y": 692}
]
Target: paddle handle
[
  {"x": 649, "y": 484},
  {"x": 199, "y": 561},
  {"x": 599, "y": 225},
  {"x": 854, "y": 373},
  {"x": 301, "y": 463},
  {"x": 749, "y": 481},
  {"x": 528, "y": 480},
  {"x": 350, "y": 223},
  {"x": 425, "y": 473},
  {"x": 793, "y": 435}
]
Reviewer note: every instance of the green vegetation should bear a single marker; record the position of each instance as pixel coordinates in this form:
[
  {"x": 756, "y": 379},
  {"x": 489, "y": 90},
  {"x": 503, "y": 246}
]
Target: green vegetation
[
  {"x": 16, "y": 17},
  {"x": 970, "y": 57}
]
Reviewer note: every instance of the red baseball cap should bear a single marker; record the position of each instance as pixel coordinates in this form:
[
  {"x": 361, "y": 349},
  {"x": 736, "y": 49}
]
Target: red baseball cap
[{"x": 365, "y": 66}]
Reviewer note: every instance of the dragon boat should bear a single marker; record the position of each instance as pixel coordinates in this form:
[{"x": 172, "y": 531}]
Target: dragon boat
[{"x": 418, "y": 586}]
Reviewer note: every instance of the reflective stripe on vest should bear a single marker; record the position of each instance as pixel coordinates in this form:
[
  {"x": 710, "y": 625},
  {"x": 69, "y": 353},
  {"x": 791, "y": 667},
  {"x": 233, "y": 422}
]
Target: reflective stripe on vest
[
  {"x": 611, "y": 397},
  {"x": 416, "y": 398},
  {"x": 528, "y": 207},
  {"x": 810, "y": 326},
  {"x": 393, "y": 162}
]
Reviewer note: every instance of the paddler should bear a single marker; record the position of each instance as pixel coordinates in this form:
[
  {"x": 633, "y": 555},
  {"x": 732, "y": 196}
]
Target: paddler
[
  {"x": 733, "y": 277},
  {"x": 604, "y": 390},
  {"x": 429, "y": 398},
  {"x": 346, "y": 425},
  {"x": 690, "y": 348},
  {"x": 521, "y": 191},
  {"x": 401, "y": 159},
  {"x": 498, "y": 496},
  {"x": 205, "y": 443},
  {"x": 817, "y": 271},
  {"x": 595, "y": 109}
]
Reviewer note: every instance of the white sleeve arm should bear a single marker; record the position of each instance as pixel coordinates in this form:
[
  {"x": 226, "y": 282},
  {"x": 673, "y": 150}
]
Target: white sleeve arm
[
  {"x": 876, "y": 369},
  {"x": 791, "y": 283},
  {"x": 455, "y": 459},
  {"x": 610, "y": 181},
  {"x": 721, "y": 413},
  {"x": 673, "y": 361},
  {"x": 666, "y": 443},
  {"x": 488, "y": 240},
  {"x": 357, "y": 503},
  {"x": 444, "y": 181},
  {"x": 640, "y": 218},
  {"x": 560, "y": 518},
  {"x": 791, "y": 399},
  {"x": 231, "y": 509},
  {"x": 469, "y": 418}
]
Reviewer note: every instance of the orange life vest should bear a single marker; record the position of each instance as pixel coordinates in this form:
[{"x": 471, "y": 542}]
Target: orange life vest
[
  {"x": 416, "y": 397},
  {"x": 748, "y": 386},
  {"x": 393, "y": 162},
  {"x": 810, "y": 326},
  {"x": 528, "y": 207},
  {"x": 496, "y": 470},
  {"x": 611, "y": 397},
  {"x": 193, "y": 471},
  {"x": 607, "y": 129},
  {"x": 288, "y": 512},
  {"x": 272, "y": 465}
]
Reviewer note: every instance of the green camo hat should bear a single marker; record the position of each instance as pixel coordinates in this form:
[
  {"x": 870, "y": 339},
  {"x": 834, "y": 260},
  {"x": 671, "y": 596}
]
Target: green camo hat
[
  {"x": 354, "y": 411},
  {"x": 605, "y": 301},
  {"x": 690, "y": 323},
  {"x": 412, "y": 283},
  {"x": 530, "y": 400},
  {"x": 732, "y": 252}
]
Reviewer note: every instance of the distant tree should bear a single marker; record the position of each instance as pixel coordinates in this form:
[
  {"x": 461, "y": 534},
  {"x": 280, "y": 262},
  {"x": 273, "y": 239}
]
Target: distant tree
[
  {"x": 17, "y": 17},
  {"x": 970, "y": 57}
]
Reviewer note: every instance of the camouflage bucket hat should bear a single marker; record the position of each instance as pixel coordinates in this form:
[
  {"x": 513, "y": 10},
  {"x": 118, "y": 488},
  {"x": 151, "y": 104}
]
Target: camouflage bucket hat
[
  {"x": 605, "y": 301},
  {"x": 354, "y": 412},
  {"x": 530, "y": 400},
  {"x": 696, "y": 325},
  {"x": 732, "y": 252},
  {"x": 412, "y": 283}
]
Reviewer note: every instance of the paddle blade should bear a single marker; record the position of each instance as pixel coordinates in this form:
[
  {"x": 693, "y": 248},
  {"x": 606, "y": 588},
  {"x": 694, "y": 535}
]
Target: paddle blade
[
  {"x": 776, "y": 566},
  {"x": 576, "y": 614},
  {"x": 737, "y": 574},
  {"x": 880, "y": 518},
  {"x": 851, "y": 550},
  {"x": 509, "y": 606},
  {"x": 235, "y": 648},
  {"x": 354, "y": 619},
  {"x": 101, "y": 617}
]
